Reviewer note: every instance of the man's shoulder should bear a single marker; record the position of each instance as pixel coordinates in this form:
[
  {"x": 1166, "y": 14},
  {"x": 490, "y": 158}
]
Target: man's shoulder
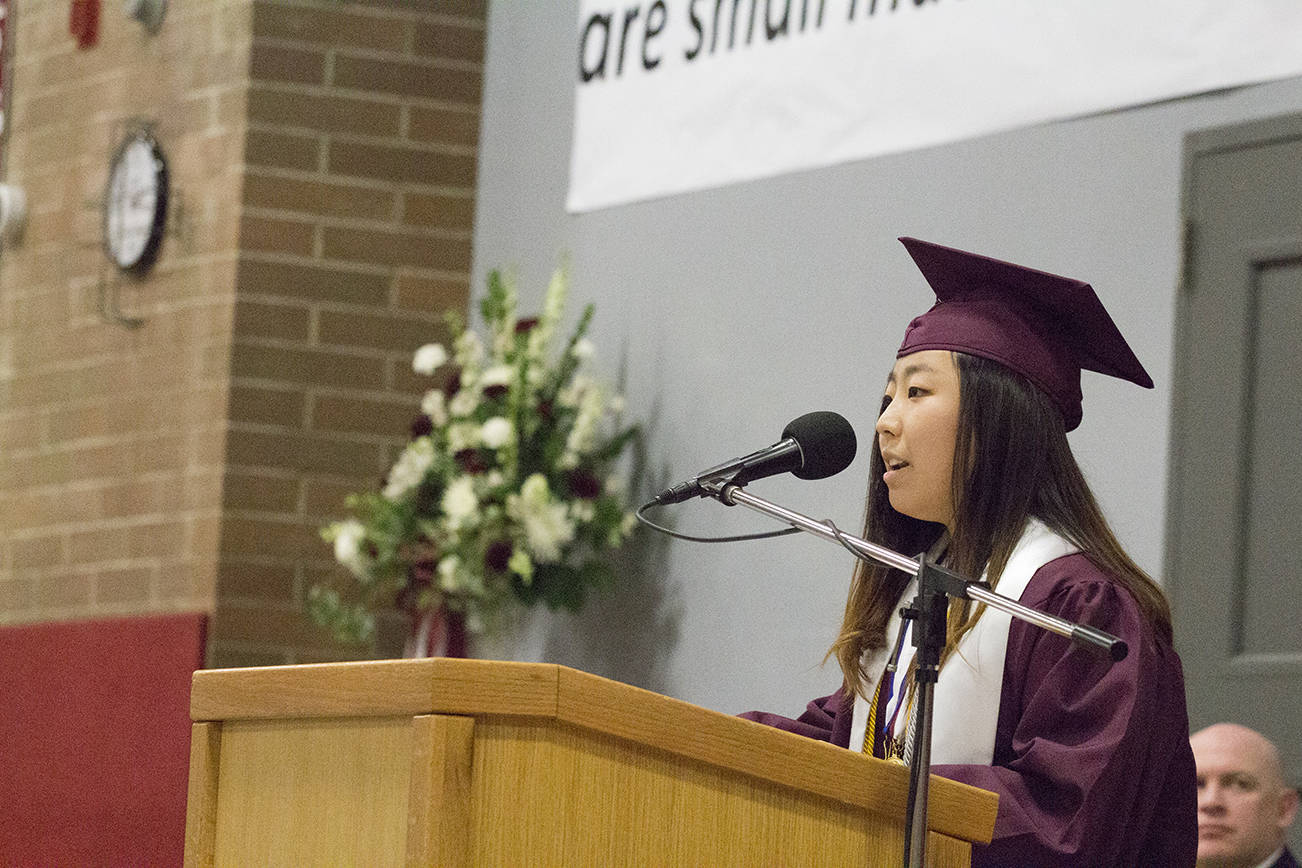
[{"x": 1285, "y": 861}]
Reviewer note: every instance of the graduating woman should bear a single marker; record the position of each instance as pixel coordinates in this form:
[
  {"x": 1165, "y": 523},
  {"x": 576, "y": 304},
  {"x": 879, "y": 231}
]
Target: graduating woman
[{"x": 1090, "y": 758}]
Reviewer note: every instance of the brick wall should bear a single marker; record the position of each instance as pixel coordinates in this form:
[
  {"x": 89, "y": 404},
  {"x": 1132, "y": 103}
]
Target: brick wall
[
  {"x": 111, "y": 438},
  {"x": 323, "y": 153},
  {"x": 355, "y": 238}
]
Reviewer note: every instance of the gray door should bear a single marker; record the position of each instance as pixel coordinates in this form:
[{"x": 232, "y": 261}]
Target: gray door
[{"x": 1234, "y": 542}]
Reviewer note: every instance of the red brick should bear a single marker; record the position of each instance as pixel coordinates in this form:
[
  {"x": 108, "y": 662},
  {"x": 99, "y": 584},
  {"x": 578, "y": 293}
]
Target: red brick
[
  {"x": 287, "y": 539},
  {"x": 448, "y": 126},
  {"x": 189, "y": 584},
  {"x": 20, "y": 432},
  {"x": 227, "y": 655},
  {"x": 312, "y": 454},
  {"x": 62, "y": 591},
  {"x": 447, "y": 41},
  {"x": 403, "y": 164},
  {"x": 330, "y": 114},
  {"x": 260, "y": 492},
  {"x": 271, "y": 235},
  {"x": 429, "y": 80},
  {"x": 416, "y": 292},
  {"x": 263, "y": 147},
  {"x": 354, "y": 201},
  {"x": 251, "y": 623},
  {"x": 280, "y": 321},
  {"x": 402, "y": 378},
  {"x": 44, "y": 551},
  {"x": 266, "y": 406},
  {"x": 282, "y": 64},
  {"x": 319, "y": 25},
  {"x": 470, "y": 9},
  {"x": 17, "y": 595},
  {"x": 385, "y": 331},
  {"x": 443, "y": 212},
  {"x": 311, "y": 367},
  {"x": 325, "y": 498},
  {"x": 360, "y": 416},
  {"x": 397, "y": 249},
  {"x": 124, "y": 586},
  {"x": 255, "y": 581},
  {"x": 311, "y": 282},
  {"x": 135, "y": 496}
]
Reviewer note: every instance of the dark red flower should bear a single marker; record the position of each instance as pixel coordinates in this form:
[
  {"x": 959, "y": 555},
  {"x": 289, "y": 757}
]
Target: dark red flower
[
  {"x": 421, "y": 574},
  {"x": 453, "y": 384},
  {"x": 495, "y": 392},
  {"x": 498, "y": 555},
  {"x": 526, "y": 325},
  {"x": 584, "y": 484},
  {"x": 545, "y": 410},
  {"x": 421, "y": 425},
  {"x": 471, "y": 461}
]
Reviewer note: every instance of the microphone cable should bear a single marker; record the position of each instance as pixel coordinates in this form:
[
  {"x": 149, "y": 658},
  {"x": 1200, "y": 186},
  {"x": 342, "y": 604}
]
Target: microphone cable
[{"x": 706, "y": 539}]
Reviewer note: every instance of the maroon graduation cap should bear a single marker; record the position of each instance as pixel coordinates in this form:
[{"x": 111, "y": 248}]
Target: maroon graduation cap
[{"x": 1046, "y": 327}]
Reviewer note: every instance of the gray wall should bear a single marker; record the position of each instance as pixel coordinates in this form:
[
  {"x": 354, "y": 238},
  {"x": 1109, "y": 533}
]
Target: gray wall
[{"x": 731, "y": 311}]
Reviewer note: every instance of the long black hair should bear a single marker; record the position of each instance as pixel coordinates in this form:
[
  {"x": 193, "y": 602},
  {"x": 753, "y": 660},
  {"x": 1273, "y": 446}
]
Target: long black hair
[{"x": 1012, "y": 462}]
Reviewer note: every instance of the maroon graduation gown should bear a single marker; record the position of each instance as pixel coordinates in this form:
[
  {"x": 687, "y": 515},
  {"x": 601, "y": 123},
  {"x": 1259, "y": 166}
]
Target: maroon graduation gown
[{"x": 1092, "y": 762}]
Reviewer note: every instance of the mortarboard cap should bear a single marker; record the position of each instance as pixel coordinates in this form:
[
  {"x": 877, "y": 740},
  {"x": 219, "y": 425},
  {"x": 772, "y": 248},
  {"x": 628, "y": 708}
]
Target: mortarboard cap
[{"x": 1046, "y": 327}]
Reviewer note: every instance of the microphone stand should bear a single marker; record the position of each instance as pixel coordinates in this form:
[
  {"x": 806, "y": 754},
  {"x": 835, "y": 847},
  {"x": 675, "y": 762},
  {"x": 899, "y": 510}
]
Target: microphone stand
[{"x": 928, "y": 613}]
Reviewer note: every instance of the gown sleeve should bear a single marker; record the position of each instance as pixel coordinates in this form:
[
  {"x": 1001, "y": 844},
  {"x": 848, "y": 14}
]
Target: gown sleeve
[
  {"x": 1092, "y": 762},
  {"x": 823, "y": 719}
]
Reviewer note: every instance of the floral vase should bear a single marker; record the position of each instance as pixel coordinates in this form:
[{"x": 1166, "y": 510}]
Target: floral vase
[{"x": 437, "y": 632}]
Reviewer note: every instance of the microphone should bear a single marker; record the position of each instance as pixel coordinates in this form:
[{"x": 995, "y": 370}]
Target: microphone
[{"x": 814, "y": 446}]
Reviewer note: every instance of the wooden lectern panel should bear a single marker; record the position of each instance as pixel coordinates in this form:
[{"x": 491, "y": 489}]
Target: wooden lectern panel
[
  {"x": 610, "y": 796},
  {"x": 439, "y": 809},
  {"x": 460, "y": 763},
  {"x": 338, "y": 793}
]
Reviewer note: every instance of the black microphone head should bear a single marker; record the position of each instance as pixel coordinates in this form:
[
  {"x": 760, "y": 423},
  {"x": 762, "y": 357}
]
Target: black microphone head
[{"x": 827, "y": 443}]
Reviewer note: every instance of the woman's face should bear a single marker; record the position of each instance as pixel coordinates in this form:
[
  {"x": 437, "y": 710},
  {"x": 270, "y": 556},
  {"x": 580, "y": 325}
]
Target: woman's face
[{"x": 916, "y": 432}]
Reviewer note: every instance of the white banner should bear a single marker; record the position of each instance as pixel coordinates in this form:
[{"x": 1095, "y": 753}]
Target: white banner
[{"x": 680, "y": 95}]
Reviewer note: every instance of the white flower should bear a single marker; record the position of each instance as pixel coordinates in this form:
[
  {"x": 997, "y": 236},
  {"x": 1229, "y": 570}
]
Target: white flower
[
  {"x": 497, "y": 375},
  {"x": 554, "y": 302},
  {"x": 546, "y": 526},
  {"x": 582, "y": 511},
  {"x": 459, "y": 501},
  {"x": 463, "y": 403},
  {"x": 497, "y": 432},
  {"x": 572, "y": 394},
  {"x": 410, "y": 468},
  {"x": 462, "y": 435},
  {"x": 348, "y": 546},
  {"x": 583, "y": 436},
  {"x": 435, "y": 406},
  {"x": 584, "y": 349},
  {"x": 469, "y": 349},
  {"x": 521, "y": 564},
  {"x": 623, "y": 531},
  {"x": 429, "y": 359},
  {"x": 449, "y": 574}
]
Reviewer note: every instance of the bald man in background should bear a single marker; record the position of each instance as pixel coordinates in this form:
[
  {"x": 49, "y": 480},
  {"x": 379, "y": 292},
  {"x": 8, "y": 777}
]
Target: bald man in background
[{"x": 1244, "y": 806}]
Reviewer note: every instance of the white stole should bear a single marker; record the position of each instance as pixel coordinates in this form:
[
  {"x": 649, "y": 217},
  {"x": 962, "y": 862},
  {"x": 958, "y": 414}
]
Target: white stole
[{"x": 966, "y": 708}]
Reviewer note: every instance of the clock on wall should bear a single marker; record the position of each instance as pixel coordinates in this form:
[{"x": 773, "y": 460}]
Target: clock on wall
[{"x": 135, "y": 203}]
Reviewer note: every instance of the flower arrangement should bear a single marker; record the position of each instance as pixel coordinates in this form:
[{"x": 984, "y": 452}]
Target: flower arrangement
[{"x": 506, "y": 490}]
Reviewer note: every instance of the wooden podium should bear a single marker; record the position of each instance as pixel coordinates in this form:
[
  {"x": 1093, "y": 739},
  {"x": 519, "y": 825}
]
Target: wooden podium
[{"x": 475, "y": 762}]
